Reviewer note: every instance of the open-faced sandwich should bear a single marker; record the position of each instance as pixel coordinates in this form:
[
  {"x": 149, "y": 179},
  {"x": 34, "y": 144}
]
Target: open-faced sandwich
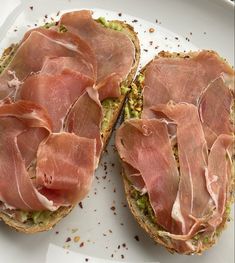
[
  {"x": 61, "y": 90},
  {"x": 176, "y": 146}
]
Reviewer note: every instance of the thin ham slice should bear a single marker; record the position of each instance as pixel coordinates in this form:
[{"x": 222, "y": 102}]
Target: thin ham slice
[
  {"x": 65, "y": 167},
  {"x": 214, "y": 109},
  {"x": 114, "y": 50},
  {"x": 84, "y": 118},
  {"x": 219, "y": 175},
  {"x": 56, "y": 169},
  {"x": 136, "y": 142},
  {"x": 38, "y": 46},
  {"x": 192, "y": 202},
  {"x": 56, "y": 93},
  {"x": 180, "y": 80}
]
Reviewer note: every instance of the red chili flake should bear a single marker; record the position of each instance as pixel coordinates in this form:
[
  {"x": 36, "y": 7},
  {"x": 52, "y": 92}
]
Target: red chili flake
[
  {"x": 68, "y": 239},
  {"x": 137, "y": 238},
  {"x": 113, "y": 208},
  {"x": 134, "y": 21},
  {"x": 81, "y": 205},
  {"x": 119, "y": 14},
  {"x": 31, "y": 7},
  {"x": 82, "y": 244}
]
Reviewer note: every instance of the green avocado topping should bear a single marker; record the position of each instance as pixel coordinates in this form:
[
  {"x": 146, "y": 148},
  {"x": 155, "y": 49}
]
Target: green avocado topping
[{"x": 110, "y": 24}]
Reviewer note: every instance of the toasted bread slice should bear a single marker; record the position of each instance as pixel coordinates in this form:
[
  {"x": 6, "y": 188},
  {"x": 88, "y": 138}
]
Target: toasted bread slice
[
  {"x": 112, "y": 109},
  {"x": 140, "y": 204}
]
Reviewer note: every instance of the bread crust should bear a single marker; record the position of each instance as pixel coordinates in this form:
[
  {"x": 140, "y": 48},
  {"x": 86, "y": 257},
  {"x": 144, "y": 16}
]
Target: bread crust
[
  {"x": 64, "y": 211},
  {"x": 143, "y": 220}
]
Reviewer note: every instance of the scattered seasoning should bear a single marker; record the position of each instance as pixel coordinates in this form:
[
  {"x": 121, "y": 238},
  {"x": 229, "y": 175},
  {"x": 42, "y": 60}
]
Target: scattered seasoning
[
  {"x": 58, "y": 13},
  {"x": 156, "y": 47},
  {"x": 124, "y": 244},
  {"x": 113, "y": 164},
  {"x": 35, "y": 24},
  {"x": 134, "y": 21},
  {"x": 119, "y": 14},
  {"x": 146, "y": 50},
  {"x": 122, "y": 224},
  {"x": 81, "y": 205},
  {"x": 104, "y": 177},
  {"x": 46, "y": 16},
  {"x": 52, "y": 19},
  {"x": 56, "y": 232},
  {"x": 110, "y": 231},
  {"x": 137, "y": 238},
  {"x": 86, "y": 259},
  {"x": 114, "y": 190},
  {"x": 118, "y": 246},
  {"x": 176, "y": 38},
  {"x": 15, "y": 30},
  {"x": 82, "y": 244},
  {"x": 122, "y": 256},
  {"x": 113, "y": 208},
  {"x": 150, "y": 43},
  {"x": 156, "y": 21},
  {"x": 187, "y": 39},
  {"x": 68, "y": 239},
  {"x": 178, "y": 45},
  {"x": 191, "y": 33},
  {"x": 112, "y": 256},
  {"x": 204, "y": 33},
  {"x": 151, "y": 30},
  {"x": 98, "y": 223},
  {"x": 165, "y": 38},
  {"x": 76, "y": 239},
  {"x": 31, "y": 7}
]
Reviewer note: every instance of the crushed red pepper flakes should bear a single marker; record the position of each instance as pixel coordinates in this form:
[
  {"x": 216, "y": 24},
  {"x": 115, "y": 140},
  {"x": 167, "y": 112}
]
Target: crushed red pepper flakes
[
  {"x": 137, "y": 238},
  {"x": 68, "y": 239},
  {"x": 113, "y": 208},
  {"x": 81, "y": 245}
]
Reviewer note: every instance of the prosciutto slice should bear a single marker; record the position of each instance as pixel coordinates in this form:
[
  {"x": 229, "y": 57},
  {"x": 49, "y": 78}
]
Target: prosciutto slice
[
  {"x": 38, "y": 46},
  {"x": 136, "y": 140},
  {"x": 219, "y": 175},
  {"x": 56, "y": 93},
  {"x": 180, "y": 80},
  {"x": 56, "y": 168},
  {"x": 114, "y": 50},
  {"x": 84, "y": 118},
  {"x": 192, "y": 202},
  {"x": 214, "y": 108}
]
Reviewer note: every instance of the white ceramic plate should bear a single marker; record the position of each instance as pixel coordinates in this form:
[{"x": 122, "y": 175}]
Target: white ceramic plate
[{"x": 105, "y": 234}]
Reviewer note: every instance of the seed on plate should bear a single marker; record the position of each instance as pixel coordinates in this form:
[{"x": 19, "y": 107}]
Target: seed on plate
[
  {"x": 76, "y": 239},
  {"x": 151, "y": 30}
]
